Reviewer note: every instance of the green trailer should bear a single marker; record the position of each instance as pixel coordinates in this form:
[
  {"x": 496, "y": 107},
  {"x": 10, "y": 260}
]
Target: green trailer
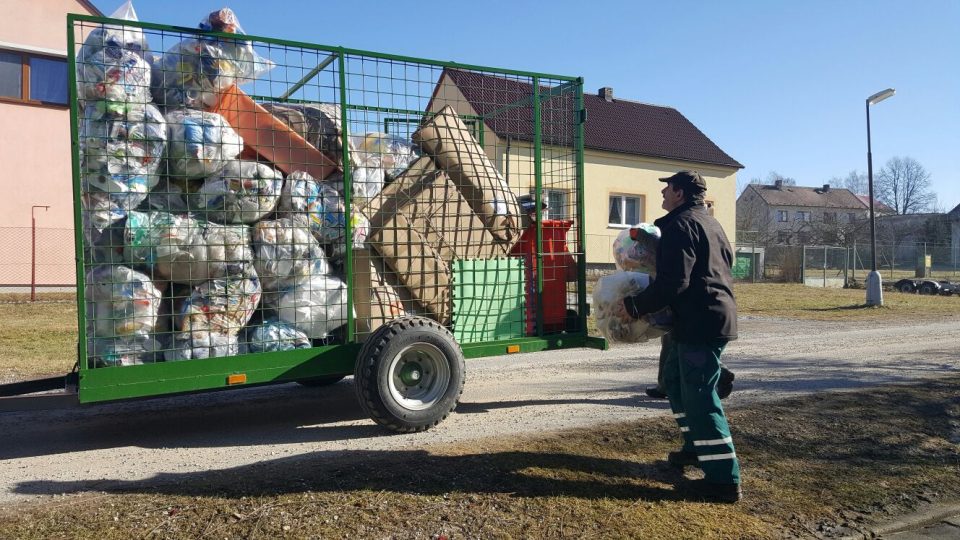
[{"x": 254, "y": 210}]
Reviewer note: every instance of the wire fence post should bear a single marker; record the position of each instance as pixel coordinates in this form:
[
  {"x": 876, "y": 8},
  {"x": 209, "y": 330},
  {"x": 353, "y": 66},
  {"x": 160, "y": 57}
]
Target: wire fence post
[
  {"x": 803, "y": 263},
  {"x": 824, "y": 266}
]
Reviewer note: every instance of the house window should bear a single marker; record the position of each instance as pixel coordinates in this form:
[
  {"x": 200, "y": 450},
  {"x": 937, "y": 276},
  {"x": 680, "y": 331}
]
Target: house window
[
  {"x": 33, "y": 78},
  {"x": 829, "y": 217},
  {"x": 851, "y": 217},
  {"x": 803, "y": 237},
  {"x": 783, "y": 237},
  {"x": 800, "y": 215},
  {"x": 625, "y": 210},
  {"x": 783, "y": 216},
  {"x": 556, "y": 203}
]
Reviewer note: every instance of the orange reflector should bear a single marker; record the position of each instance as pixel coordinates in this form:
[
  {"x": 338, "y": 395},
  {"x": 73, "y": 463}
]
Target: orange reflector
[
  {"x": 513, "y": 349},
  {"x": 237, "y": 378}
]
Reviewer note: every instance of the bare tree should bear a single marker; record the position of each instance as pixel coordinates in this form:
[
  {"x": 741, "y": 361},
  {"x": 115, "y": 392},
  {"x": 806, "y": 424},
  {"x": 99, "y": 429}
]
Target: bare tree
[
  {"x": 904, "y": 185},
  {"x": 773, "y": 176},
  {"x": 856, "y": 182},
  {"x": 836, "y": 229}
]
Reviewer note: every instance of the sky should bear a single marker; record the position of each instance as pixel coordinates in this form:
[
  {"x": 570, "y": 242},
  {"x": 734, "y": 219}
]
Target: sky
[{"x": 780, "y": 86}]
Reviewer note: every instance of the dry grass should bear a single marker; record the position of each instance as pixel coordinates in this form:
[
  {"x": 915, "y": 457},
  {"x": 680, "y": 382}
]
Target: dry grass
[
  {"x": 795, "y": 301},
  {"x": 37, "y": 339},
  {"x": 813, "y": 467}
]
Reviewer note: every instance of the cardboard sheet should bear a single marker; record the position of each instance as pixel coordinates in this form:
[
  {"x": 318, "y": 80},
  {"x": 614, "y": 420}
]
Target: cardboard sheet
[{"x": 449, "y": 141}]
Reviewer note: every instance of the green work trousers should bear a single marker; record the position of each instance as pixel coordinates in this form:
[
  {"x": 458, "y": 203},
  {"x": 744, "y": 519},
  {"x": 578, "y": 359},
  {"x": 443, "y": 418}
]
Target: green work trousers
[{"x": 691, "y": 372}]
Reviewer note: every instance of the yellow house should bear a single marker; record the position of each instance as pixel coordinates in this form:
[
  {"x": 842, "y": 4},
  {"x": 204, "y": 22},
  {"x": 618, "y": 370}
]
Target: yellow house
[{"x": 628, "y": 146}]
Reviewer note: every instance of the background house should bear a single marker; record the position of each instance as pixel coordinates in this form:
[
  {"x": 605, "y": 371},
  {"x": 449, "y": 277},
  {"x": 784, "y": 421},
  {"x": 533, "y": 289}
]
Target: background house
[
  {"x": 628, "y": 146},
  {"x": 783, "y": 214},
  {"x": 35, "y": 139}
]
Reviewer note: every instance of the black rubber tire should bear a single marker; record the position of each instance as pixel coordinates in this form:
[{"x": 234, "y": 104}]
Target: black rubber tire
[
  {"x": 376, "y": 376},
  {"x": 928, "y": 288},
  {"x": 907, "y": 288},
  {"x": 326, "y": 380}
]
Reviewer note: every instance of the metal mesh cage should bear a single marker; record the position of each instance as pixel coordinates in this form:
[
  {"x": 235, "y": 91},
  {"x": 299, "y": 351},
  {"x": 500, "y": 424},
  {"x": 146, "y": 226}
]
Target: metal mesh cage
[{"x": 239, "y": 196}]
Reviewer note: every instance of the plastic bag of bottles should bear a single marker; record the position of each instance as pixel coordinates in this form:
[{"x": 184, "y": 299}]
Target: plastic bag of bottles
[
  {"x": 315, "y": 305},
  {"x": 285, "y": 250},
  {"x": 114, "y": 38},
  {"x": 219, "y": 306},
  {"x": 394, "y": 153},
  {"x": 635, "y": 249},
  {"x": 121, "y": 154},
  {"x": 201, "y": 345},
  {"x": 114, "y": 75},
  {"x": 323, "y": 208},
  {"x": 613, "y": 321},
  {"x": 120, "y": 302},
  {"x": 272, "y": 336},
  {"x": 186, "y": 250},
  {"x": 193, "y": 72},
  {"x": 243, "y": 192},
  {"x": 122, "y": 351},
  {"x": 199, "y": 143}
]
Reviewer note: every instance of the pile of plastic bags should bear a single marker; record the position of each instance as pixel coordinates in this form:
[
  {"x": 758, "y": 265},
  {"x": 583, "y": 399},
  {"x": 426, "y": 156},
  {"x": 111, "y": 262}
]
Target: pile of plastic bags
[
  {"x": 195, "y": 246},
  {"x": 634, "y": 252}
]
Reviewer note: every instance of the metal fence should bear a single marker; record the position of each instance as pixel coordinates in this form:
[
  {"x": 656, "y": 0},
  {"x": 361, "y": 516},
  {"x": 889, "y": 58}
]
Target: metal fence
[
  {"x": 837, "y": 266},
  {"x": 44, "y": 256}
]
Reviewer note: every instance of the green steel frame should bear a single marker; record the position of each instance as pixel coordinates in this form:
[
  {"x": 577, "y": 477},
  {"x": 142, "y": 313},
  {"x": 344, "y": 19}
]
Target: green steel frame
[{"x": 163, "y": 378}]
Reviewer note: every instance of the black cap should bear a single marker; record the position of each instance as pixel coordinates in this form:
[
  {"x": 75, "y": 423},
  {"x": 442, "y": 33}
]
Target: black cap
[
  {"x": 528, "y": 203},
  {"x": 687, "y": 179}
]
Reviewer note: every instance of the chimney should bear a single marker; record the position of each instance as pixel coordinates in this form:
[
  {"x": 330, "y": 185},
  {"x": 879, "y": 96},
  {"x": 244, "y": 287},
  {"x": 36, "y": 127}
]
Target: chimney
[
  {"x": 778, "y": 184},
  {"x": 606, "y": 93},
  {"x": 826, "y": 188}
]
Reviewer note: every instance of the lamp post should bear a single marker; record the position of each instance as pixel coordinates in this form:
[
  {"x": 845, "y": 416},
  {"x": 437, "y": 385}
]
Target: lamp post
[
  {"x": 874, "y": 282},
  {"x": 33, "y": 251}
]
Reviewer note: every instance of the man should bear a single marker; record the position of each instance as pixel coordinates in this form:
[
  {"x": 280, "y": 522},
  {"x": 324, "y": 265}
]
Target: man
[
  {"x": 693, "y": 278},
  {"x": 724, "y": 385}
]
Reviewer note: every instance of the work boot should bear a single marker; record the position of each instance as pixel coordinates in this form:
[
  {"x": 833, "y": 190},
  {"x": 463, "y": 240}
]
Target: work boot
[
  {"x": 701, "y": 490},
  {"x": 725, "y": 384},
  {"x": 656, "y": 392},
  {"x": 682, "y": 458}
]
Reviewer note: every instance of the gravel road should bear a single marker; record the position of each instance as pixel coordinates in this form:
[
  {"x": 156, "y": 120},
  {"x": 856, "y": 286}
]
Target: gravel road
[{"x": 158, "y": 441}]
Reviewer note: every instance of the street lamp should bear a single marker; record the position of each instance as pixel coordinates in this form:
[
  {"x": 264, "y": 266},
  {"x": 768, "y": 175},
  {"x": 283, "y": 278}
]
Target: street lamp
[
  {"x": 33, "y": 251},
  {"x": 874, "y": 282}
]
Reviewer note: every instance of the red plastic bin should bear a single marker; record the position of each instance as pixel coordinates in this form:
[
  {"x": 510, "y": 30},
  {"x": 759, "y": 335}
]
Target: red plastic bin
[{"x": 559, "y": 267}]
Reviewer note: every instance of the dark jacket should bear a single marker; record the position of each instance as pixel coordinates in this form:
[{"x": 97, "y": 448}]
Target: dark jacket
[{"x": 693, "y": 278}]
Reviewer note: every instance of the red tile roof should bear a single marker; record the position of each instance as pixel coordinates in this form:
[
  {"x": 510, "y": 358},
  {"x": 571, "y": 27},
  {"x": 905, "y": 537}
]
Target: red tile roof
[{"x": 617, "y": 126}]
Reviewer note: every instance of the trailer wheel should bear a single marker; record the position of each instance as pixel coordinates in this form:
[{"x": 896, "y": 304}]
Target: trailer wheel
[
  {"x": 928, "y": 288},
  {"x": 410, "y": 374},
  {"x": 907, "y": 287},
  {"x": 325, "y": 380}
]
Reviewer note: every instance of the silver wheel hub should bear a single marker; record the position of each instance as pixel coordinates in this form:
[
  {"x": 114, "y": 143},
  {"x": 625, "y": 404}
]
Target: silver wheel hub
[{"x": 419, "y": 376}]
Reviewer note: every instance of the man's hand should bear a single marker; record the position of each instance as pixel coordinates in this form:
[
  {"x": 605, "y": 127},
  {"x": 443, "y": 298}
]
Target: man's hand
[{"x": 626, "y": 310}]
